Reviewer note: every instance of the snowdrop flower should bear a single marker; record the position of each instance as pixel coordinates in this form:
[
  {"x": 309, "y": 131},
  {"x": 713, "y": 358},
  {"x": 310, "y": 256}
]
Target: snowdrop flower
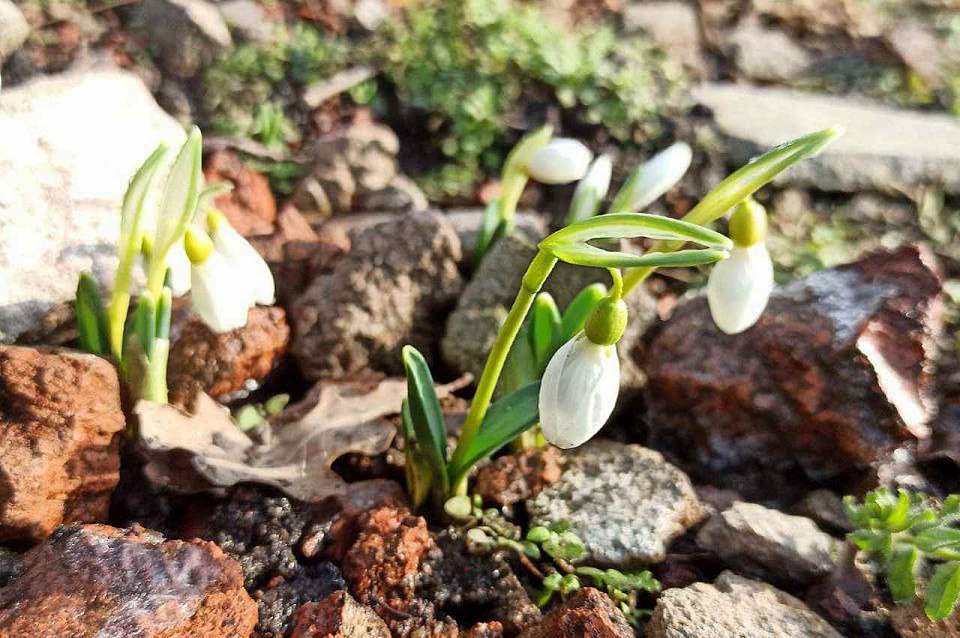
[
  {"x": 591, "y": 190},
  {"x": 220, "y": 295},
  {"x": 653, "y": 178},
  {"x": 579, "y": 388},
  {"x": 740, "y": 286},
  {"x": 562, "y": 160},
  {"x": 249, "y": 267}
]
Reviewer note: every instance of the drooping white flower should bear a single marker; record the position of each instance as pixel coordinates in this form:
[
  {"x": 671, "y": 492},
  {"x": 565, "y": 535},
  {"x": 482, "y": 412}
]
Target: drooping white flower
[
  {"x": 561, "y": 161},
  {"x": 739, "y": 287},
  {"x": 220, "y": 295},
  {"x": 578, "y": 391},
  {"x": 591, "y": 190},
  {"x": 654, "y": 178},
  {"x": 178, "y": 269},
  {"x": 247, "y": 263}
]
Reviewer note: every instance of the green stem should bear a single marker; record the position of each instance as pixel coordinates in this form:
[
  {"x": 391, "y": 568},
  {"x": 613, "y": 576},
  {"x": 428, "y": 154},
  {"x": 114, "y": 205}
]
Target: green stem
[
  {"x": 120, "y": 303},
  {"x": 155, "y": 376},
  {"x": 533, "y": 281}
]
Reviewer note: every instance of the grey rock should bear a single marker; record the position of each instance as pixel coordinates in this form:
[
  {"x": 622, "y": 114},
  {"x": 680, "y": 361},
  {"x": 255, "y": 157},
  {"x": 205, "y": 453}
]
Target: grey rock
[
  {"x": 768, "y": 55},
  {"x": 734, "y": 607},
  {"x": 673, "y": 25},
  {"x": 249, "y": 20},
  {"x": 768, "y": 544},
  {"x": 393, "y": 288},
  {"x": 826, "y": 509},
  {"x": 917, "y": 149},
  {"x": 401, "y": 195},
  {"x": 61, "y": 183},
  {"x": 467, "y": 221},
  {"x": 473, "y": 326},
  {"x": 186, "y": 34},
  {"x": 14, "y": 29},
  {"x": 625, "y": 501}
]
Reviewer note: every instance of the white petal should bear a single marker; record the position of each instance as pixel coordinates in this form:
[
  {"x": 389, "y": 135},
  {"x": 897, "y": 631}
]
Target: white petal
[
  {"x": 179, "y": 265},
  {"x": 578, "y": 391},
  {"x": 739, "y": 288},
  {"x": 560, "y": 161},
  {"x": 660, "y": 173},
  {"x": 220, "y": 296},
  {"x": 247, "y": 261},
  {"x": 597, "y": 177}
]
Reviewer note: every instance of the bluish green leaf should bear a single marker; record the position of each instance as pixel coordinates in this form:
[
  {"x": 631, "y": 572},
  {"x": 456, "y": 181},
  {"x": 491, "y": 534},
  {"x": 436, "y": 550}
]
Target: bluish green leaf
[
  {"x": 587, "y": 255},
  {"x": 633, "y": 225},
  {"x": 943, "y": 591},
  {"x": 901, "y": 577},
  {"x": 505, "y": 420},
  {"x": 91, "y": 317},
  {"x": 425, "y": 413},
  {"x": 579, "y": 309},
  {"x": 544, "y": 328}
]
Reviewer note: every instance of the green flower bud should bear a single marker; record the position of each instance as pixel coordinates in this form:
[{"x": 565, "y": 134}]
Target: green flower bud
[
  {"x": 606, "y": 323},
  {"x": 748, "y": 223}
]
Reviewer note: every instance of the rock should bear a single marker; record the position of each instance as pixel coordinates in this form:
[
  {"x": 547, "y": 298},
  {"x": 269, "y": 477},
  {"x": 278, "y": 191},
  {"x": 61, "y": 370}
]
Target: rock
[
  {"x": 767, "y": 544},
  {"x": 229, "y": 364},
  {"x": 472, "y": 327},
  {"x": 14, "y": 29},
  {"x": 751, "y": 119},
  {"x": 910, "y": 621},
  {"x": 673, "y": 25},
  {"x": 338, "y": 616},
  {"x": 484, "y": 630},
  {"x": 62, "y": 183},
  {"x": 833, "y": 377},
  {"x": 853, "y": 598},
  {"x": 823, "y": 16},
  {"x": 624, "y": 501},
  {"x": 467, "y": 221},
  {"x": 95, "y": 580},
  {"x": 826, "y": 509},
  {"x": 185, "y": 34},
  {"x": 249, "y": 20},
  {"x": 9, "y": 566},
  {"x": 517, "y": 477},
  {"x": 734, "y": 607},
  {"x": 250, "y": 206},
  {"x": 768, "y": 55},
  {"x": 60, "y": 417},
  {"x": 589, "y": 613},
  {"x": 920, "y": 49},
  {"x": 401, "y": 194},
  {"x": 392, "y": 289},
  {"x": 348, "y": 165}
]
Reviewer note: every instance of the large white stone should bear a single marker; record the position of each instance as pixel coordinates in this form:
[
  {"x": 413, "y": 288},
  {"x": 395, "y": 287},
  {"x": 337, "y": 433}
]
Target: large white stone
[{"x": 68, "y": 147}]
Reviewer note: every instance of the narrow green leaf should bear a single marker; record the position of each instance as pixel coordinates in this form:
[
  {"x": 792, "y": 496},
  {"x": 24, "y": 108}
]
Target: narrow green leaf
[
  {"x": 505, "y": 420},
  {"x": 579, "y": 309},
  {"x": 164, "y": 312},
  {"x": 490, "y": 227},
  {"x": 544, "y": 328},
  {"x": 181, "y": 195},
  {"x": 587, "y": 255},
  {"x": 145, "y": 322},
  {"x": 91, "y": 317},
  {"x": 632, "y": 225},
  {"x": 901, "y": 576},
  {"x": 131, "y": 212},
  {"x": 425, "y": 412},
  {"x": 520, "y": 368},
  {"x": 943, "y": 591}
]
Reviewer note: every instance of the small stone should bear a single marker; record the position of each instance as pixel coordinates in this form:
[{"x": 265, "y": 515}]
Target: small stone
[
  {"x": 14, "y": 29},
  {"x": 517, "y": 477},
  {"x": 624, "y": 501},
  {"x": 859, "y": 160},
  {"x": 250, "y": 21},
  {"x": 338, "y": 616},
  {"x": 762, "y": 542},
  {"x": 673, "y": 25},
  {"x": 186, "y": 34},
  {"x": 60, "y": 419},
  {"x": 95, "y": 580},
  {"x": 826, "y": 509},
  {"x": 249, "y": 207},
  {"x": 393, "y": 288},
  {"x": 484, "y": 630},
  {"x": 589, "y": 613},
  {"x": 734, "y": 607},
  {"x": 401, "y": 195},
  {"x": 768, "y": 55},
  {"x": 831, "y": 380},
  {"x": 228, "y": 364},
  {"x": 919, "y": 47}
]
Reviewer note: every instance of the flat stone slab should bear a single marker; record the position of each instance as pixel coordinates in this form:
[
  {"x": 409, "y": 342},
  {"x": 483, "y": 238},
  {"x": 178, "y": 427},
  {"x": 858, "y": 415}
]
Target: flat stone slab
[
  {"x": 883, "y": 149},
  {"x": 625, "y": 501}
]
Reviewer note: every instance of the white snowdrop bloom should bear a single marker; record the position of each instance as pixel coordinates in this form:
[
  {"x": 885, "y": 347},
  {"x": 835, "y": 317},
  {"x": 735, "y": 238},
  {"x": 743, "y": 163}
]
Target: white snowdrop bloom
[
  {"x": 247, "y": 264},
  {"x": 561, "y": 161},
  {"x": 597, "y": 178},
  {"x": 658, "y": 175},
  {"x": 578, "y": 391},
  {"x": 220, "y": 295},
  {"x": 739, "y": 287},
  {"x": 178, "y": 265}
]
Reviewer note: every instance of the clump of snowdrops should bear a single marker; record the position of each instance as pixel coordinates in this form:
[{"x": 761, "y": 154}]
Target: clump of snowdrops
[
  {"x": 169, "y": 228},
  {"x": 573, "y": 378}
]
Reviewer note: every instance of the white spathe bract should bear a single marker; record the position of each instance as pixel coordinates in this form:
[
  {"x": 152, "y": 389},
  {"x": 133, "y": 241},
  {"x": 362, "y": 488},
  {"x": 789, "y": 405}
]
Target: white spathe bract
[
  {"x": 178, "y": 269},
  {"x": 739, "y": 288},
  {"x": 220, "y": 295},
  {"x": 246, "y": 262},
  {"x": 597, "y": 178},
  {"x": 561, "y": 161},
  {"x": 660, "y": 173},
  {"x": 578, "y": 391}
]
